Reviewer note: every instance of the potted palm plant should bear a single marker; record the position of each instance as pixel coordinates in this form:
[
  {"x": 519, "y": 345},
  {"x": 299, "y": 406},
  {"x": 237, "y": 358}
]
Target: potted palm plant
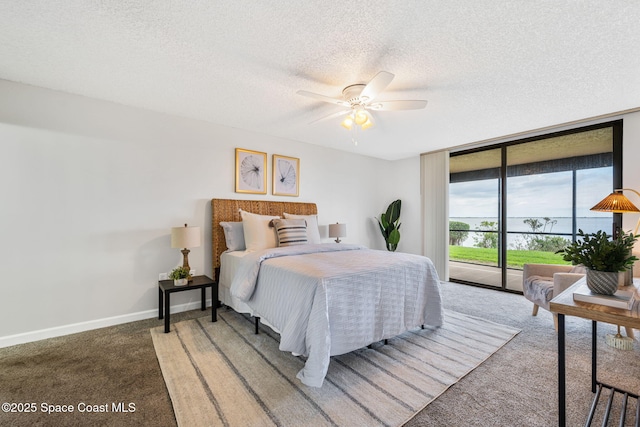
[
  {"x": 605, "y": 257},
  {"x": 180, "y": 276}
]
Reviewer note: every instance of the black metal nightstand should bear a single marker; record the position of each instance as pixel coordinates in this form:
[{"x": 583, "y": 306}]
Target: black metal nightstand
[{"x": 166, "y": 288}]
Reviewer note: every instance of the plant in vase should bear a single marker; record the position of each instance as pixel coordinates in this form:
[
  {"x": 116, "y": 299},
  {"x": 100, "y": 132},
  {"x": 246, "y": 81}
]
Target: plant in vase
[
  {"x": 180, "y": 276},
  {"x": 603, "y": 256}
]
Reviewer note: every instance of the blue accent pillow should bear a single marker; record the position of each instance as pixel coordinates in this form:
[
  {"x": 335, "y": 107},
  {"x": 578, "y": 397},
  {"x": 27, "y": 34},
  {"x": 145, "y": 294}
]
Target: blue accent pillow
[{"x": 234, "y": 236}]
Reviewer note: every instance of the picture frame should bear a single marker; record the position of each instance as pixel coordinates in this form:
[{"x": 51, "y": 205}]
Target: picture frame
[
  {"x": 286, "y": 176},
  {"x": 251, "y": 171}
]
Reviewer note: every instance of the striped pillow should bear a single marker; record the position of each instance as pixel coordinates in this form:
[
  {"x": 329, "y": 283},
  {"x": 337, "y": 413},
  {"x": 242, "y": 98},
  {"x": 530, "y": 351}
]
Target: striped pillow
[
  {"x": 291, "y": 231},
  {"x": 313, "y": 233}
]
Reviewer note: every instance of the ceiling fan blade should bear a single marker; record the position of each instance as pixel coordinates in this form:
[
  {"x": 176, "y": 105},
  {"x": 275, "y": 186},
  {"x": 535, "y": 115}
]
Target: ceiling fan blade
[
  {"x": 323, "y": 98},
  {"x": 331, "y": 116},
  {"x": 377, "y": 84},
  {"x": 397, "y": 105}
]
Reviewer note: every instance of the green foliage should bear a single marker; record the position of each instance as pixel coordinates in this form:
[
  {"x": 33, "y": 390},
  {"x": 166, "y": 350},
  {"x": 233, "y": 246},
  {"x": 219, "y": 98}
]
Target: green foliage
[
  {"x": 389, "y": 223},
  {"x": 535, "y": 224},
  {"x": 457, "y": 237},
  {"x": 179, "y": 273},
  {"x": 548, "y": 243},
  {"x": 487, "y": 240},
  {"x": 597, "y": 251},
  {"x": 540, "y": 243},
  {"x": 515, "y": 258}
]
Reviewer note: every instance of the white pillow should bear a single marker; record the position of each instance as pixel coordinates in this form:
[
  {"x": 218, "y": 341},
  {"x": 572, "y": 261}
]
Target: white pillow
[
  {"x": 257, "y": 233},
  {"x": 234, "y": 235},
  {"x": 291, "y": 232},
  {"x": 313, "y": 232}
]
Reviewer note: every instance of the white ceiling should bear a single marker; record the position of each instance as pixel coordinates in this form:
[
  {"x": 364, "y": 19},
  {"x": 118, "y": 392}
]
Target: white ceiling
[{"x": 488, "y": 68}]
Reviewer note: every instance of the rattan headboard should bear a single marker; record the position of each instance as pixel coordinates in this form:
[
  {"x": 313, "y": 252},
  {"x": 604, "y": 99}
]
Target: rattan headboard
[{"x": 228, "y": 210}]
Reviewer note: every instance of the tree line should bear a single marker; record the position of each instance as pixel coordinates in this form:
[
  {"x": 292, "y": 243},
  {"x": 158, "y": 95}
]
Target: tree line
[{"x": 488, "y": 238}]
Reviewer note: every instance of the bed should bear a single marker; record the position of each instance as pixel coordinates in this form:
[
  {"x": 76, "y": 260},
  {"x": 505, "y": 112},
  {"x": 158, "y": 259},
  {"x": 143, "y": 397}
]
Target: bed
[{"x": 324, "y": 299}]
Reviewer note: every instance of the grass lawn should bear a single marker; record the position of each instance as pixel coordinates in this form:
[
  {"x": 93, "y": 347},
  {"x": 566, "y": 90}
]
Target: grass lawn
[{"x": 515, "y": 258}]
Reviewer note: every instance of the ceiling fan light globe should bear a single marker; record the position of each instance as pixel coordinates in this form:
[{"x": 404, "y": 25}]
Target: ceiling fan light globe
[
  {"x": 347, "y": 123},
  {"x": 366, "y": 125},
  {"x": 361, "y": 117}
]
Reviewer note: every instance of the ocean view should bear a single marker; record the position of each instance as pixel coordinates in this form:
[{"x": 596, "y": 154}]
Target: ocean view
[{"x": 588, "y": 224}]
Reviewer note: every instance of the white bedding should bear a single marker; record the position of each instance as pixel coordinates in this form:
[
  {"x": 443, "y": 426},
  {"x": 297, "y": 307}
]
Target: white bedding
[
  {"x": 331, "y": 299},
  {"x": 229, "y": 264}
]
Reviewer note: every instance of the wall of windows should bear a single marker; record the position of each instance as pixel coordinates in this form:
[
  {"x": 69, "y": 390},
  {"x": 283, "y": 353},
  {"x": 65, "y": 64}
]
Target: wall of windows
[{"x": 522, "y": 201}]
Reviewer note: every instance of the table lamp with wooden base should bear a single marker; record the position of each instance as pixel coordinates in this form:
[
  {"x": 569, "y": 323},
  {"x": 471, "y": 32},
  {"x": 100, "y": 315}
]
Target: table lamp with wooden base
[{"x": 185, "y": 237}]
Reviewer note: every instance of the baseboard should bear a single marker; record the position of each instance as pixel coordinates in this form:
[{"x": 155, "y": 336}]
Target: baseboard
[{"x": 74, "y": 328}]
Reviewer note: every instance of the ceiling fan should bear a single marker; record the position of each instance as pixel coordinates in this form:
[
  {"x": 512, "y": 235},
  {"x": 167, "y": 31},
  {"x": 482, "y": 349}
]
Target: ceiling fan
[{"x": 359, "y": 100}]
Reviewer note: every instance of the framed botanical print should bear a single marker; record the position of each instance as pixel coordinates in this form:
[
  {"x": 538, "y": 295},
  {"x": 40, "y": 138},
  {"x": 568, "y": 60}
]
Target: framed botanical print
[
  {"x": 251, "y": 171},
  {"x": 286, "y": 176}
]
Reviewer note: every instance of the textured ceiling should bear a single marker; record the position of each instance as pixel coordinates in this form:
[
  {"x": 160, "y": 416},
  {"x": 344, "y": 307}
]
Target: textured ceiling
[{"x": 488, "y": 68}]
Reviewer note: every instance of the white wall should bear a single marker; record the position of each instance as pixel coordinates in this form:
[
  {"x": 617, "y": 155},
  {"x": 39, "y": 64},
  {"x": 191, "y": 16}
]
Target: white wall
[
  {"x": 402, "y": 181},
  {"x": 90, "y": 190},
  {"x": 630, "y": 168},
  {"x": 631, "y": 175}
]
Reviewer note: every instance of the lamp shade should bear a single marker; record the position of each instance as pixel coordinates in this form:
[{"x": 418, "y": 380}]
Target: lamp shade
[
  {"x": 337, "y": 230},
  {"x": 617, "y": 203},
  {"x": 185, "y": 237}
]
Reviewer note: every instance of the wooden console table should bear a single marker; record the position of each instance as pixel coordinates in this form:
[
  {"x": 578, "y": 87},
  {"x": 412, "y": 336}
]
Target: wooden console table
[{"x": 564, "y": 304}]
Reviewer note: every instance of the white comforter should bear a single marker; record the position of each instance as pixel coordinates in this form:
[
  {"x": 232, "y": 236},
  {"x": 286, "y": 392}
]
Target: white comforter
[{"x": 331, "y": 299}]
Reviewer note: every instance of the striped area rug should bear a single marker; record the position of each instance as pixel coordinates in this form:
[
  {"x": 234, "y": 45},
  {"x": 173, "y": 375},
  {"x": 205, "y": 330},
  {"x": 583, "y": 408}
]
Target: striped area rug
[{"x": 223, "y": 374}]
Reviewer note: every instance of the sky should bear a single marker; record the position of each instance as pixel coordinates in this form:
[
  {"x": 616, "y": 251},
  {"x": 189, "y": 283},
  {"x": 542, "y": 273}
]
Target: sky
[{"x": 541, "y": 195}]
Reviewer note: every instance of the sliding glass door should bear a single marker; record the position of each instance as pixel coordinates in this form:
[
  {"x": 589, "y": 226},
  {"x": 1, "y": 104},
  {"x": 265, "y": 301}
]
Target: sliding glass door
[
  {"x": 474, "y": 210},
  {"x": 521, "y": 202}
]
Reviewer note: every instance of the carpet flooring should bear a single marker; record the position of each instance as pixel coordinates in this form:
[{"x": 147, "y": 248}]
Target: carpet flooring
[
  {"x": 222, "y": 374},
  {"x": 516, "y": 386}
]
